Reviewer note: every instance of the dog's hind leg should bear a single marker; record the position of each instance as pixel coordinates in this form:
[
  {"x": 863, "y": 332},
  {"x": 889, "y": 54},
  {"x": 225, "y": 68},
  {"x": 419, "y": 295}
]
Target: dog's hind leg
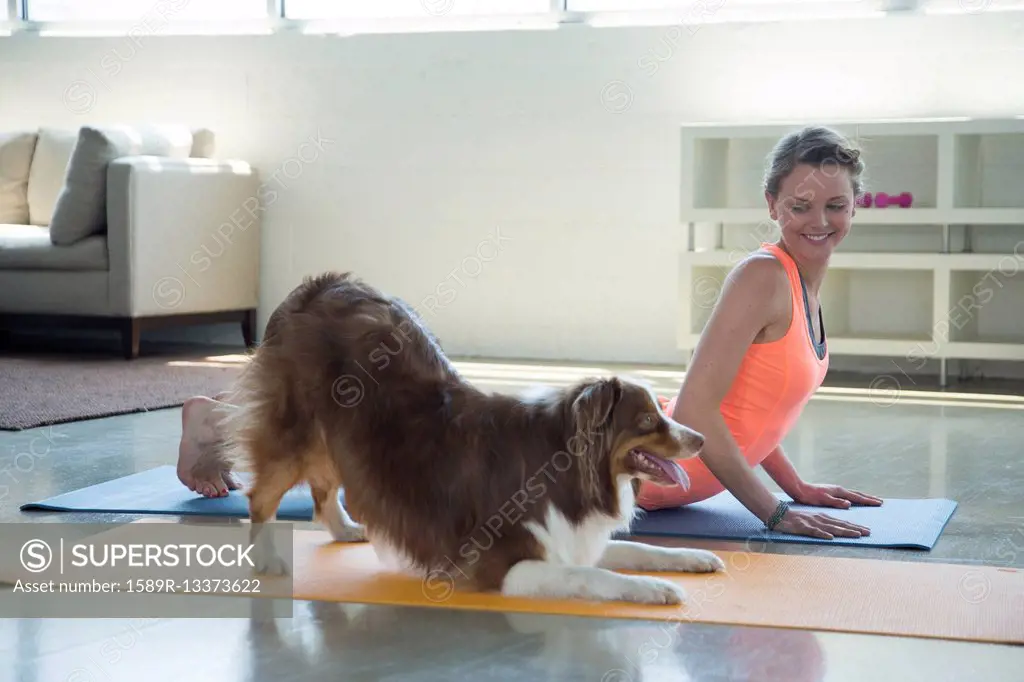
[
  {"x": 329, "y": 511},
  {"x": 270, "y": 483},
  {"x": 542, "y": 579},
  {"x": 324, "y": 473}
]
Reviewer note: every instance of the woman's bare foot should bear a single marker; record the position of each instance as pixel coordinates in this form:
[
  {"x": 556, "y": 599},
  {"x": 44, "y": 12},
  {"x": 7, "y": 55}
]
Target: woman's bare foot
[{"x": 199, "y": 434}]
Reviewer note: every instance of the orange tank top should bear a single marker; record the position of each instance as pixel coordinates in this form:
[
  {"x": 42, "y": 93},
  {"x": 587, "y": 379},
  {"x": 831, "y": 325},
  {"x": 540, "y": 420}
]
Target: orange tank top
[{"x": 774, "y": 382}]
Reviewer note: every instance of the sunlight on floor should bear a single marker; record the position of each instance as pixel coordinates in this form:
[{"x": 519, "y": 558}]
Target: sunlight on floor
[
  {"x": 975, "y": 401},
  {"x": 515, "y": 375},
  {"x": 666, "y": 382},
  {"x": 230, "y": 360}
]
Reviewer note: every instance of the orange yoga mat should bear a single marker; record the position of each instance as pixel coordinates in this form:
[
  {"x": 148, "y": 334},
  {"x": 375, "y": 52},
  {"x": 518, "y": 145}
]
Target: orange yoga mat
[
  {"x": 972, "y": 603},
  {"x": 917, "y": 599}
]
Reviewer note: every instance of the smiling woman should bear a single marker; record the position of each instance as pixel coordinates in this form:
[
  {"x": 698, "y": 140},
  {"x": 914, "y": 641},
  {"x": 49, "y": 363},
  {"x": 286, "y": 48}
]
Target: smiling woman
[
  {"x": 763, "y": 353},
  {"x": 812, "y": 183}
]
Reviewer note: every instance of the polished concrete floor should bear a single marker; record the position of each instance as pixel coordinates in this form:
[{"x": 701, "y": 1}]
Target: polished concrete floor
[{"x": 891, "y": 444}]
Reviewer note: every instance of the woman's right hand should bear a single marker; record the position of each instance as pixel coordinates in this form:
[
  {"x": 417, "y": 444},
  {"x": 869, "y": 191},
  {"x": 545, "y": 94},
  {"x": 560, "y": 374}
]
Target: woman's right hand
[{"x": 818, "y": 525}]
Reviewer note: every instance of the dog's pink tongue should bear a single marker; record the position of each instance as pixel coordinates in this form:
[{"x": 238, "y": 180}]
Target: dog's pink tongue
[{"x": 671, "y": 469}]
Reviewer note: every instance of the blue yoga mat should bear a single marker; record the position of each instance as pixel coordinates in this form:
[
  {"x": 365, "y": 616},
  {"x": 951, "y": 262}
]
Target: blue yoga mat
[
  {"x": 898, "y": 523},
  {"x": 158, "y": 491}
]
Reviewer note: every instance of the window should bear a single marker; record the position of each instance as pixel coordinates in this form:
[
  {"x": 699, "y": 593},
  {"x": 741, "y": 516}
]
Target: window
[
  {"x": 409, "y": 9},
  {"x": 624, "y": 12},
  {"x": 970, "y": 6},
  {"x": 643, "y": 5},
  {"x": 134, "y": 10}
]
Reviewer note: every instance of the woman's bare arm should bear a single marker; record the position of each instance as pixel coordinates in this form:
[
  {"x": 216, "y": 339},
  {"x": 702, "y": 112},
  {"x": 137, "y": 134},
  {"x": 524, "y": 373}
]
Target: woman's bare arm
[
  {"x": 753, "y": 297},
  {"x": 782, "y": 471}
]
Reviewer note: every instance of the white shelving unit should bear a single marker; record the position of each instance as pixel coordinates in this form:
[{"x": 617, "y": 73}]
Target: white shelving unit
[{"x": 941, "y": 280}]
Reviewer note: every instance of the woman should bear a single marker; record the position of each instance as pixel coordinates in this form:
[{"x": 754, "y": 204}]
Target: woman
[{"x": 763, "y": 352}]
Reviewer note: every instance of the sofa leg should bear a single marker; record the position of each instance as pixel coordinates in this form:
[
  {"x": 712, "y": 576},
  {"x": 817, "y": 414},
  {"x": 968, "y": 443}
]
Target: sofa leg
[
  {"x": 249, "y": 328},
  {"x": 130, "y": 338}
]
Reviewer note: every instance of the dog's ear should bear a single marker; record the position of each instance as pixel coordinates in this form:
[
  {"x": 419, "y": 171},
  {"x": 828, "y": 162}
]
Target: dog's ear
[
  {"x": 597, "y": 399},
  {"x": 591, "y": 412},
  {"x": 593, "y": 406}
]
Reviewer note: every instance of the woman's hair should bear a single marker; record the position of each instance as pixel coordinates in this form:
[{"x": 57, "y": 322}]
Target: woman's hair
[{"x": 815, "y": 145}]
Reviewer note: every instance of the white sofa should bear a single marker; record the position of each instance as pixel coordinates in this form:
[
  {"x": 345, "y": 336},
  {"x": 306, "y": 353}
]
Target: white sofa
[{"x": 126, "y": 228}]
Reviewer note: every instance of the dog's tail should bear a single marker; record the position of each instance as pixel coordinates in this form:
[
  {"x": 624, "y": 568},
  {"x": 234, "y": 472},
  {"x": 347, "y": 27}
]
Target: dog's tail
[
  {"x": 302, "y": 297},
  {"x": 220, "y": 455},
  {"x": 217, "y": 457},
  {"x": 256, "y": 399}
]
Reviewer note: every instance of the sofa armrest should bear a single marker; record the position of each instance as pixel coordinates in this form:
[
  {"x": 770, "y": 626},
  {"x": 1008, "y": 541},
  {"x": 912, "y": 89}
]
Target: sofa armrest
[{"x": 183, "y": 235}]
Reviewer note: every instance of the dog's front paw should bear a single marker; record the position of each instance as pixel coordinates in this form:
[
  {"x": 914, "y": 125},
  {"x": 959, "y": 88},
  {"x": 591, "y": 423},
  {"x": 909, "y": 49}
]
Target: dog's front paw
[
  {"x": 269, "y": 564},
  {"x": 692, "y": 561},
  {"x": 644, "y": 589}
]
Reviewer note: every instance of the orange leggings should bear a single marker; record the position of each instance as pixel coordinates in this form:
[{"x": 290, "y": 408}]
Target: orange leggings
[{"x": 703, "y": 483}]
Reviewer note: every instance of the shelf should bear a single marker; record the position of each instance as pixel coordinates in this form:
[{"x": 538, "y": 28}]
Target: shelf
[
  {"x": 895, "y": 347},
  {"x": 868, "y": 346},
  {"x": 912, "y": 349},
  {"x": 732, "y": 169},
  {"x": 986, "y": 350},
  {"x": 987, "y": 170},
  {"x": 865, "y": 127},
  {"x": 981, "y": 320},
  {"x": 872, "y": 216},
  {"x": 985, "y": 312},
  {"x": 887, "y": 260},
  {"x": 940, "y": 280},
  {"x": 849, "y": 299},
  {"x": 885, "y": 304},
  {"x": 1002, "y": 263},
  {"x": 869, "y": 261}
]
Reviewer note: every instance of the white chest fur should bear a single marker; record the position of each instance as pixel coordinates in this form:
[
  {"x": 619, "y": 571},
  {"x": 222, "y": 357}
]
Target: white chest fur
[{"x": 582, "y": 544}]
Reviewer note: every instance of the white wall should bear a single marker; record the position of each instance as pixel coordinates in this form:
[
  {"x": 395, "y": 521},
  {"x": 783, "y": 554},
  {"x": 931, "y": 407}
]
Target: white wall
[{"x": 439, "y": 142}]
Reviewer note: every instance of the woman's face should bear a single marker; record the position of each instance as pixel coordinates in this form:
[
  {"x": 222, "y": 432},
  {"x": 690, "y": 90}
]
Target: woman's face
[{"x": 814, "y": 210}]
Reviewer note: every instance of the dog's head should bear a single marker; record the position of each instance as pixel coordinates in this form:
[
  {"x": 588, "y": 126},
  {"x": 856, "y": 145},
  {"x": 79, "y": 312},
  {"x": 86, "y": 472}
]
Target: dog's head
[{"x": 618, "y": 423}]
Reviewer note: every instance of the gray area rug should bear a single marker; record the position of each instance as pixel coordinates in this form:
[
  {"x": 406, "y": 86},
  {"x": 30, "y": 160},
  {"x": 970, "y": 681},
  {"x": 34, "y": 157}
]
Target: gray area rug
[{"x": 42, "y": 389}]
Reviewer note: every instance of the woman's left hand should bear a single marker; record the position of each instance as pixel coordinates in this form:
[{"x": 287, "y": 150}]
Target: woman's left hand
[{"x": 833, "y": 496}]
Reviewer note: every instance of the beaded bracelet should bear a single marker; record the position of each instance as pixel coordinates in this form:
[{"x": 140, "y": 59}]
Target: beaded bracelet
[{"x": 777, "y": 515}]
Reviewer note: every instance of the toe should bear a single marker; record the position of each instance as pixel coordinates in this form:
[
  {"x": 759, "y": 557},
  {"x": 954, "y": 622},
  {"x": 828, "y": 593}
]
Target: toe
[{"x": 209, "y": 489}]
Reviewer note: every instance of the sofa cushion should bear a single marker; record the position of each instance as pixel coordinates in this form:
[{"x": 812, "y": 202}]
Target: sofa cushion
[
  {"x": 46, "y": 178},
  {"x": 81, "y": 208},
  {"x": 49, "y": 164},
  {"x": 55, "y": 292},
  {"x": 28, "y": 247},
  {"x": 203, "y": 143},
  {"x": 15, "y": 163}
]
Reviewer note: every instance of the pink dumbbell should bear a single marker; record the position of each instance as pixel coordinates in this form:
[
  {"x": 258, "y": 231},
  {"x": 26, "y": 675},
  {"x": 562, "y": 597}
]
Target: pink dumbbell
[
  {"x": 864, "y": 201},
  {"x": 904, "y": 200}
]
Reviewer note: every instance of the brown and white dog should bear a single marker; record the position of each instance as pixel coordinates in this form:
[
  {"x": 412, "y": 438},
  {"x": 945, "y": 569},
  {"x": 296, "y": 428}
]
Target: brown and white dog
[{"x": 516, "y": 494}]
